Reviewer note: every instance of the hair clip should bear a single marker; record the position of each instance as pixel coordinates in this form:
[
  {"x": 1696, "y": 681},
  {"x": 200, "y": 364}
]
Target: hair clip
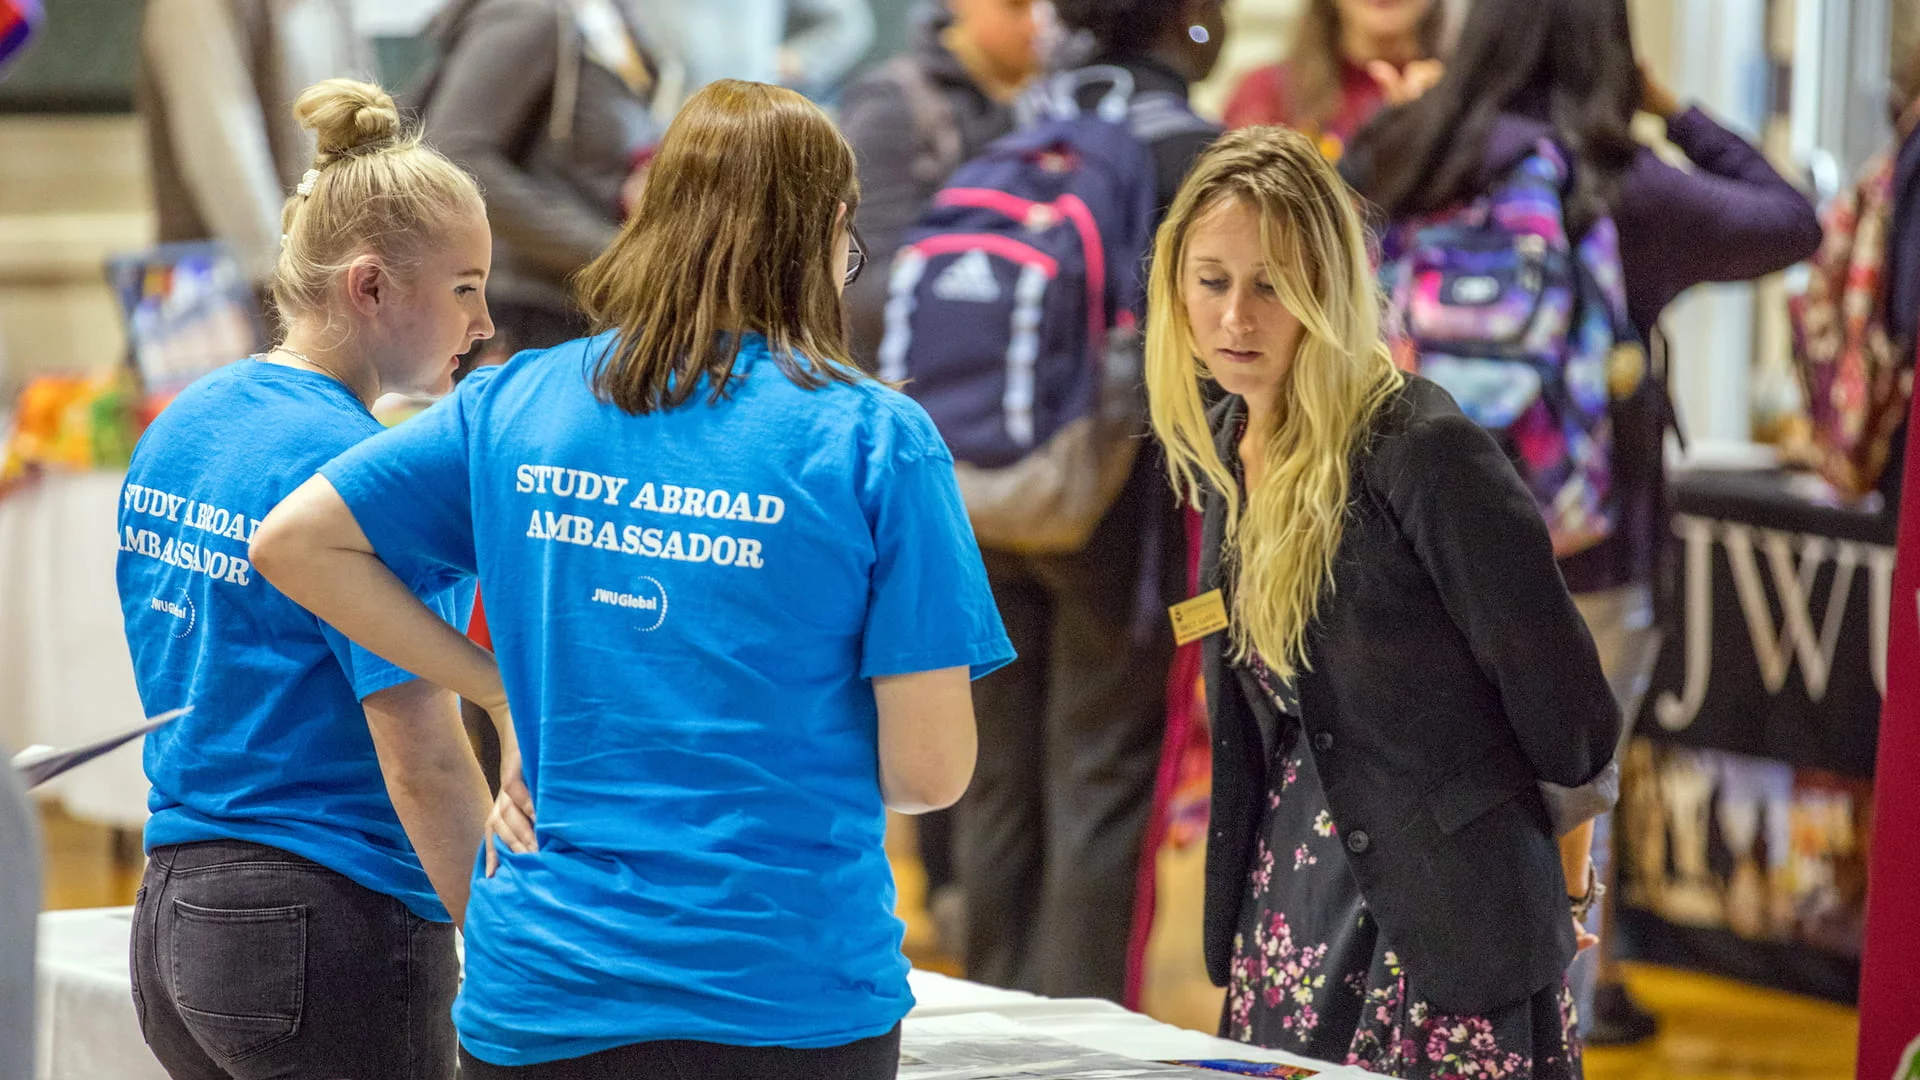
[{"x": 306, "y": 183}]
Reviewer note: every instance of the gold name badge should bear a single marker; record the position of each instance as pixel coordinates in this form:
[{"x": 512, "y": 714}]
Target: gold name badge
[{"x": 1204, "y": 614}]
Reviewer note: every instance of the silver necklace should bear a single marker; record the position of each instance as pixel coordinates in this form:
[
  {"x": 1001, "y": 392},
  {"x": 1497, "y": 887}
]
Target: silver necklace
[{"x": 310, "y": 362}]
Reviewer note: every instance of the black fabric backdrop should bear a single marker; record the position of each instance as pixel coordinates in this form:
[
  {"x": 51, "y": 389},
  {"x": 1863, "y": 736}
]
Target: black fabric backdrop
[{"x": 1828, "y": 737}]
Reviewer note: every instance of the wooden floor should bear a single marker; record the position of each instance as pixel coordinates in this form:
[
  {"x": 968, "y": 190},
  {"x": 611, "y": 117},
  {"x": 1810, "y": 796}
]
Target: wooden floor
[{"x": 1711, "y": 1029}]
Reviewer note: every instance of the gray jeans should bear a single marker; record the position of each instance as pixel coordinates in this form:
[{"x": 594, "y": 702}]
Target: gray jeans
[
  {"x": 251, "y": 963},
  {"x": 1621, "y": 621}
]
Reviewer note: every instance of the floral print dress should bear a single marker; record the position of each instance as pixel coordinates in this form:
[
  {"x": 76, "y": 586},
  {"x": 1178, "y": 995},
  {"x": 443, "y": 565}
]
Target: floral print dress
[{"x": 1312, "y": 974}]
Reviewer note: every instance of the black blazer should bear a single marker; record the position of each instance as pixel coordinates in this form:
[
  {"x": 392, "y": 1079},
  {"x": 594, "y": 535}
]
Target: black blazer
[{"x": 1450, "y": 674}]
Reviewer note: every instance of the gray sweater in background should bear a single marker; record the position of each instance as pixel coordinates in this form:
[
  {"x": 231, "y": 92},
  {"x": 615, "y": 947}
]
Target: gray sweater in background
[{"x": 550, "y": 134}]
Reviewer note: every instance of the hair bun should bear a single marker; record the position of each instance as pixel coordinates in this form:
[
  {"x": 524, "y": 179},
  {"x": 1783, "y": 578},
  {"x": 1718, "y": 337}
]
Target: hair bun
[{"x": 347, "y": 117}]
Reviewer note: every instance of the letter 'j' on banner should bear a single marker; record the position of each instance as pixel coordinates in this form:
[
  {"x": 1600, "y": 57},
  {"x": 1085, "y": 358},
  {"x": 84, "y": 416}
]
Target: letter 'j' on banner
[{"x": 1890, "y": 966}]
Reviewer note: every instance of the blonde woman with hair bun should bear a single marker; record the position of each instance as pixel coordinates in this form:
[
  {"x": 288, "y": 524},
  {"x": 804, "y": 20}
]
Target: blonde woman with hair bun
[
  {"x": 316, "y": 813},
  {"x": 1400, "y": 669}
]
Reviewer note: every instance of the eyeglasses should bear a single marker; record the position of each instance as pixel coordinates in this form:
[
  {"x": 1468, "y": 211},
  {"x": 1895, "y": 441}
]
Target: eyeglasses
[{"x": 856, "y": 255}]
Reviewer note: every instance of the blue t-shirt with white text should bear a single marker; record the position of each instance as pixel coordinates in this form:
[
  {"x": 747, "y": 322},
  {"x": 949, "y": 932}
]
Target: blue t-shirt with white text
[
  {"x": 276, "y": 750},
  {"x": 688, "y": 608}
]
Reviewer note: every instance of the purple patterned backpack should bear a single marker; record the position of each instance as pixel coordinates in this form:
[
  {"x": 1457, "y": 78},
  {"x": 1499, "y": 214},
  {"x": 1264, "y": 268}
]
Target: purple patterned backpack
[{"x": 1527, "y": 330}]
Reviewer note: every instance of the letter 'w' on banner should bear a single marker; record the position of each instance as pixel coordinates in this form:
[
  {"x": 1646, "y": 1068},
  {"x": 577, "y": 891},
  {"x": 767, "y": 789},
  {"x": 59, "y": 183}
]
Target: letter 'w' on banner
[{"x": 1890, "y": 965}]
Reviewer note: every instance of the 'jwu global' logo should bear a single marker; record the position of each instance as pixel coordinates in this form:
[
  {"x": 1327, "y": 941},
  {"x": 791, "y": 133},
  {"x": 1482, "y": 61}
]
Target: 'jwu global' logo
[
  {"x": 648, "y": 600},
  {"x": 180, "y": 608}
]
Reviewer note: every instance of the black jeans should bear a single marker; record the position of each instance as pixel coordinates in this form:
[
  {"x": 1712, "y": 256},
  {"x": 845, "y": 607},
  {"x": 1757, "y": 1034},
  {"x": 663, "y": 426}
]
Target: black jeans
[
  {"x": 251, "y": 963},
  {"x": 1049, "y": 834},
  {"x": 877, "y": 1058}
]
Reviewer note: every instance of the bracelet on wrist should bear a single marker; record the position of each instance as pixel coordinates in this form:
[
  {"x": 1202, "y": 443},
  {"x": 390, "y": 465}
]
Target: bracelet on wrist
[{"x": 1583, "y": 905}]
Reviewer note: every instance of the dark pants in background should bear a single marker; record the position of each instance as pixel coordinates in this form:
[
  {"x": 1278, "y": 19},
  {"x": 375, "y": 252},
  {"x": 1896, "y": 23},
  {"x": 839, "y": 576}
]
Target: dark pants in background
[
  {"x": 877, "y": 1058},
  {"x": 1049, "y": 835},
  {"x": 250, "y": 962},
  {"x": 936, "y": 848}
]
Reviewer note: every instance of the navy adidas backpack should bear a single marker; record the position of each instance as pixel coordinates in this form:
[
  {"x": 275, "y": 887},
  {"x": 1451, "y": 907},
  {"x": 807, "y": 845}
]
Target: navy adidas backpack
[{"x": 1014, "y": 307}]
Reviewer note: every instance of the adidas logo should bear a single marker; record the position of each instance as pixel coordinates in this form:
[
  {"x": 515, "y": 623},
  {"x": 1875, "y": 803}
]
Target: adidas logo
[{"x": 969, "y": 280}]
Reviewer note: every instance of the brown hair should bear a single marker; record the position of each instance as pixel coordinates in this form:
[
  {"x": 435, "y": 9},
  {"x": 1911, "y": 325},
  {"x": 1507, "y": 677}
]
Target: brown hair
[
  {"x": 373, "y": 189},
  {"x": 733, "y": 234},
  {"x": 1314, "y": 62}
]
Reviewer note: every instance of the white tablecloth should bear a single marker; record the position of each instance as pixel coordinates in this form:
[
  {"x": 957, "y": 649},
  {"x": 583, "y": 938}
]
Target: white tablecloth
[
  {"x": 65, "y": 674},
  {"x": 1098, "y": 1024},
  {"x": 88, "y": 1031}
]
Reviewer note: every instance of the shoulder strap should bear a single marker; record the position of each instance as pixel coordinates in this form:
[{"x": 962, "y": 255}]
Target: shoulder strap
[
  {"x": 1161, "y": 115},
  {"x": 1058, "y": 97},
  {"x": 941, "y": 149}
]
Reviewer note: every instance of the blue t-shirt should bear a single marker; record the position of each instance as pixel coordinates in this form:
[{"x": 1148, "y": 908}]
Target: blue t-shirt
[
  {"x": 276, "y": 750},
  {"x": 687, "y": 607}
]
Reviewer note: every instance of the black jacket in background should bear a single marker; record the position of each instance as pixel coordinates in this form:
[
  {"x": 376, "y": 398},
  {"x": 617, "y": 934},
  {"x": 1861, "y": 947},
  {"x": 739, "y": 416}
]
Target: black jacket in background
[
  {"x": 1450, "y": 674},
  {"x": 1903, "y": 250}
]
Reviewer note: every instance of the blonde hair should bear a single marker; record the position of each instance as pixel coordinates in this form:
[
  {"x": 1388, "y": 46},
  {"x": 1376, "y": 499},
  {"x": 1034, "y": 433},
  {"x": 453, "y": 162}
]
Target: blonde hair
[
  {"x": 1282, "y": 538},
  {"x": 374, "y": 188},
  {"x": 734, "y": 233}
]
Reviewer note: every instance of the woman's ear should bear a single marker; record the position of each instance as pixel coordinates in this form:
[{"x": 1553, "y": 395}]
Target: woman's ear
[{"x": 367, "y": 284}]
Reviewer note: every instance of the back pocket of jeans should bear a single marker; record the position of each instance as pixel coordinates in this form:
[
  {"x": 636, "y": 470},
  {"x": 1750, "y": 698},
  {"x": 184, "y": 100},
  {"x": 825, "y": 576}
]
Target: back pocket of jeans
[{"x": 239, "y": 976}]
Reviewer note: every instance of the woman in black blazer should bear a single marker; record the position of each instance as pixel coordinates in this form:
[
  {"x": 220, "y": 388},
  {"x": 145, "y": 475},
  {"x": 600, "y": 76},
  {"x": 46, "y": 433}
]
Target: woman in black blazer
[{"x": 1401, "y": 667}]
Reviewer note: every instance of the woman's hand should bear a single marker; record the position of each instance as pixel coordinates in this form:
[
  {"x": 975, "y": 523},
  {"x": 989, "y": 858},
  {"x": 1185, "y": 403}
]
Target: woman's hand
[
  {"x": 511, "y": 821},
  {"x": 1584, "y": 938},
  {"x": 1576, "y": 865},
  {"x": 1402, "y": 85},
  {"x": 1656, "y": 98}
]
